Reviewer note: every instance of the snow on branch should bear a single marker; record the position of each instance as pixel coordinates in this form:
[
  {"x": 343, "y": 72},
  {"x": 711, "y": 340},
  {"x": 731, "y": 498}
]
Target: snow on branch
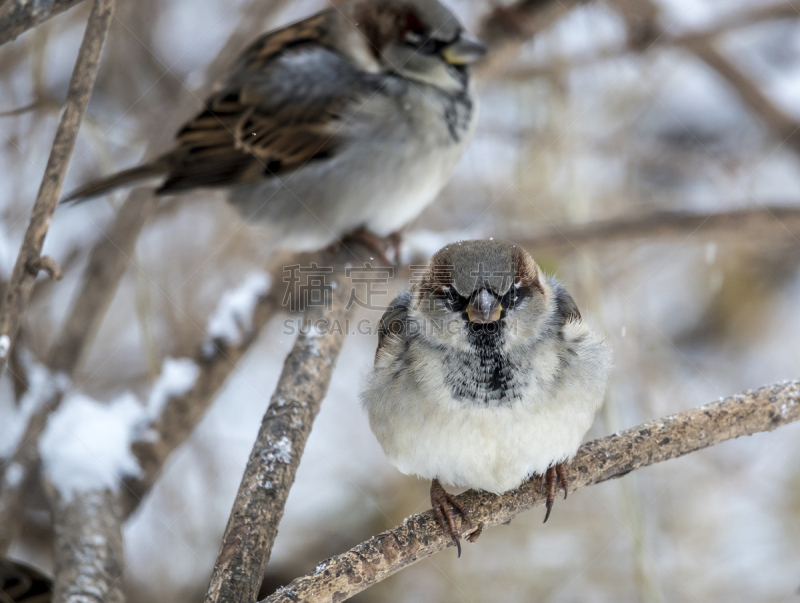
[
  {"x": 87, "y": 444},
  {"x": 232, "y": 321},
  {"x": 86, "y": 453},
  {"x": 345, "y": 575},
  {"x": 24, "y": 422}
]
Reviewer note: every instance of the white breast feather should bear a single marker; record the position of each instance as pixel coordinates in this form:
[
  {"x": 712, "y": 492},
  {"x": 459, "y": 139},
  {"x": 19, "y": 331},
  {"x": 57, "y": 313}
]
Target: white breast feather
[{"x": 425, "y": 432}]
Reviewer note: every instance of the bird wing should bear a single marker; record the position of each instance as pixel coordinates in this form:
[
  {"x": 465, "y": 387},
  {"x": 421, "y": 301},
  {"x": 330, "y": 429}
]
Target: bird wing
[
  {"x": 284, "y": 105},
  {"x": 393, "y": 326},
  {"x": 566, "y": 308}
]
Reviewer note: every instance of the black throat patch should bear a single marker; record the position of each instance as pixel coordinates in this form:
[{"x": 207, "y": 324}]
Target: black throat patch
[{"x": 485, "y": 374}]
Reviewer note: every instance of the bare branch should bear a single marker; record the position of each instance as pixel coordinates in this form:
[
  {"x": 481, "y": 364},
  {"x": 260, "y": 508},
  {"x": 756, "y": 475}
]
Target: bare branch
[
  {"x": 18, "y": 16},
  {"x": 26, "y": 269},
  {"x": 785, "y": 127},
  {"x": 765, "y": 222},
  {"x": 273, "y": 462},
  {"x": 724, "y": 25},
  {"x": 345, "y": 575}
]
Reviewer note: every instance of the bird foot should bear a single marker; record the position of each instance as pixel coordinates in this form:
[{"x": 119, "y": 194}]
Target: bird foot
[
  {"x": 387, "y": 249},
  {"x": 443, "y": 503},
  {"x": 551, "y": 479}
]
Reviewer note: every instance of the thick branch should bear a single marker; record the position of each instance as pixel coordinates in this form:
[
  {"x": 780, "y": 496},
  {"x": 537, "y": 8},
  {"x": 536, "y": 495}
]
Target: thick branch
[
  {"x": 18, "y": 16},
  {"x": 344, "y": 575},
  {"x": 276, "y": 454},
  {"x": 30, "y": 261},
  {"x": 89, "y": 552}
]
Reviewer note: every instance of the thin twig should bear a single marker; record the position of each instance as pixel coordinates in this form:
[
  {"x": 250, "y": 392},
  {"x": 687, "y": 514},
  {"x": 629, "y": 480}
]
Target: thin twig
[
  {"x": 269, "y": 475},
  {"x": 26, "y": 269},
  {"x": 724, "y": 25},
  {"x": 18, "y": 16},
  {"x": 784, "y": 126},
  {"x": 345, "y": 575}
]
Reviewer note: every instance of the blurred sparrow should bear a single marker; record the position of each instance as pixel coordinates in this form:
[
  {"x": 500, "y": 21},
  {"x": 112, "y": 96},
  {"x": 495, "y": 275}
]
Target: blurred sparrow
[
  {"x": 351, "y": 120},
  {"x": 22, "y": 584},
  {"x": 485, "y": 374}
]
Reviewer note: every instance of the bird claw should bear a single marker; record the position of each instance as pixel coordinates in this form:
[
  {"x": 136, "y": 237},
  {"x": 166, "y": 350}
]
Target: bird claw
[
  {"x": 443, "y": 503},
  {"x": 552, "y": 478},
  {"x": 382, "y": 247},
  {"x": 474, "y": 535}
]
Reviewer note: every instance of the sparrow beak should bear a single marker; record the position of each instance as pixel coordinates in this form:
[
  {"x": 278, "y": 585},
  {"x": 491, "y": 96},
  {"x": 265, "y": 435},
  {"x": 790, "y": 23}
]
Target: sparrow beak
[
  {"x": 484, "y": 308},
  {"x": 467, "y": 49}
]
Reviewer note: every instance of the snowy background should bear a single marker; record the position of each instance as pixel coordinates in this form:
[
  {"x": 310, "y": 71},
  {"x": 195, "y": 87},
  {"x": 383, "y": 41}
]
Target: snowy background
[{"x": 561, "y": 140}]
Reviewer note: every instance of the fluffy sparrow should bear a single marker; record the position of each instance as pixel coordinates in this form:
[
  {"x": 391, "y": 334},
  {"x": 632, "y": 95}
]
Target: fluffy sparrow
[
  {"x": 485, "y": 375},
  {"x": 353, "y": 119},
  {"x": 22, "y": 584}
]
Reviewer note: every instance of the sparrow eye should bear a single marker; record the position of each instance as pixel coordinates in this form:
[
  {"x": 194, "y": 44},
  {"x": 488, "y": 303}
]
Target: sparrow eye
[
  {"x": 512, "y": 297},
  {"x": 452, "y": 300},
  {"x": 414, "y": 38},
  {"x": 422, "y": 43}
]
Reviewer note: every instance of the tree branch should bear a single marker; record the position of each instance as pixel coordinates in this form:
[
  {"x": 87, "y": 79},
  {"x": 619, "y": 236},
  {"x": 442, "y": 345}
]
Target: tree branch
[
  {"x": 344, "y": 575},
  {"x": 18, "y": 16},
  {"x": 724, "y": 25},
  {"x": 785, "y": 127},
  {"x": 273, "y": 462},
  {"x": 759, "y": 222},
  {"x": 89, "y": 552},
  {"x": 29, "y": 261}
]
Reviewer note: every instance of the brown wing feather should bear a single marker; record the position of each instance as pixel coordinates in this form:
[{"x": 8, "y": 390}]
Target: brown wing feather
[
  {"x": 236, "y": 140},
  {"x": 234, "y": 143}
]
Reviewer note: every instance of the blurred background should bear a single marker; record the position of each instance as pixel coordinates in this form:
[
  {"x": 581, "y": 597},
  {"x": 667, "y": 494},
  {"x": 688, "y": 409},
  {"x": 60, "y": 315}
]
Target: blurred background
[{"x": 614, "y": 110}]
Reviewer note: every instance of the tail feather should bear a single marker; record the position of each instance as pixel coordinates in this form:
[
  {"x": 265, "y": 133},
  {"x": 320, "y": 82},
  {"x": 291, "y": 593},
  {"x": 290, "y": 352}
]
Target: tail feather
[{"x": 125, "y": 177}]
